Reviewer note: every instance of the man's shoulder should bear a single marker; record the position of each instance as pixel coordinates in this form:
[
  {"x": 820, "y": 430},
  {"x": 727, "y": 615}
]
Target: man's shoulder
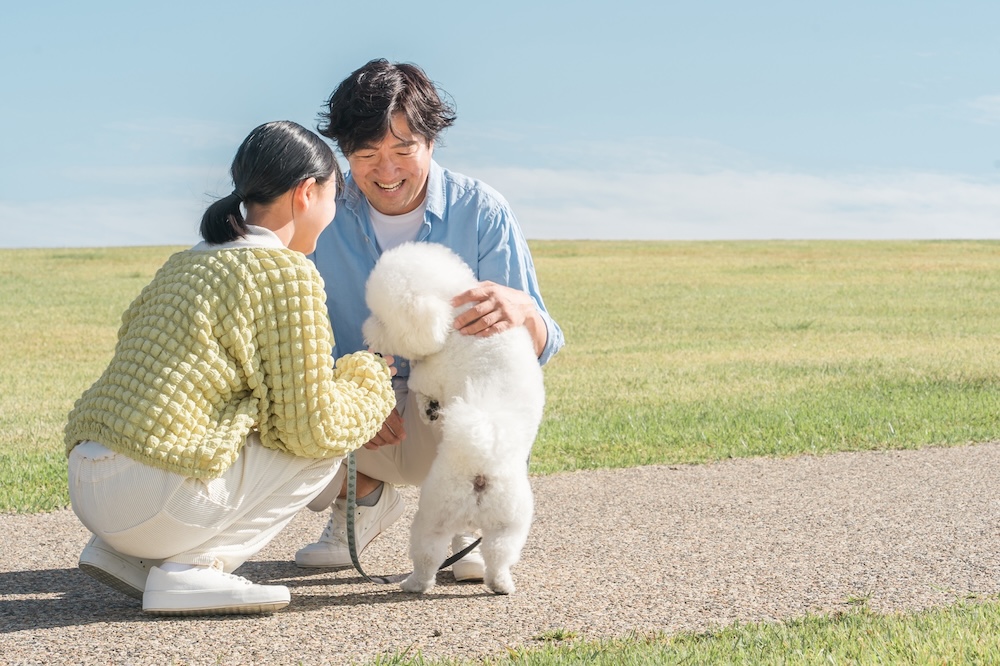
[{"x": 462, "y": 189}]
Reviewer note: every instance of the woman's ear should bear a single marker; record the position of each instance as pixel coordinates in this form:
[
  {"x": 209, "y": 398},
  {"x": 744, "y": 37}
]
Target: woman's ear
[{"x": 304, "y": 194}]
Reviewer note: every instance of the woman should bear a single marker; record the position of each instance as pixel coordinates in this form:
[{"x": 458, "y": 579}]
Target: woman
[{"x": 221, "y": 413}]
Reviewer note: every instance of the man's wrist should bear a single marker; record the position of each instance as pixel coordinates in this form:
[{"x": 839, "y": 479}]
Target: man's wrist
[{"x": 539, "y": 332}]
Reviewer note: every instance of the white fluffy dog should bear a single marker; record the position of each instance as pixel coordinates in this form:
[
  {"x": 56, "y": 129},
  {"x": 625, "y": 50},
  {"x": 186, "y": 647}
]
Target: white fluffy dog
[{"x": 486, "y": 394}]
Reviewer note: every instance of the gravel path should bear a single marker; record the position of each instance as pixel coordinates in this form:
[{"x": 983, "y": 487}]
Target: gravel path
[{"x": 663, "y": 548}]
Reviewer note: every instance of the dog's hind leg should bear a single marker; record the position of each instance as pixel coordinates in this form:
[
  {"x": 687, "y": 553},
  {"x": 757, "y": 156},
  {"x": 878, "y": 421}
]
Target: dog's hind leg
[
  {"x": 501, "y": 550},
  {"x": 428, "y": 549}
]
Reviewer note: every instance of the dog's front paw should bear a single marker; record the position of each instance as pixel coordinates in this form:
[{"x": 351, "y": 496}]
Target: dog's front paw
[
  {"x": 428, "y": 409},
  {"x": 413, "y": 584}
]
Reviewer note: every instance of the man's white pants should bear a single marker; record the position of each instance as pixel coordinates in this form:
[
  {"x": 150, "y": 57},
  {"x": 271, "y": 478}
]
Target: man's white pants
[
  {"x": 154, "y": 514},
  {"x": 404, "y": 464}
]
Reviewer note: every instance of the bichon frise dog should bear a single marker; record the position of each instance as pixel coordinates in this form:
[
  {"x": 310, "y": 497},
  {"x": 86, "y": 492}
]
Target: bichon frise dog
[{"x": 485, "y": 393}]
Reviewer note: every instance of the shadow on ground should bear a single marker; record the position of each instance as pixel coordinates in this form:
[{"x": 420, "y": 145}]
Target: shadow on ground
[{"x": 47, "y": 598}]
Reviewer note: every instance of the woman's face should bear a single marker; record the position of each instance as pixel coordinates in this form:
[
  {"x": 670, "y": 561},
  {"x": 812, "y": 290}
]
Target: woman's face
[{"x": 315, "y": 216}]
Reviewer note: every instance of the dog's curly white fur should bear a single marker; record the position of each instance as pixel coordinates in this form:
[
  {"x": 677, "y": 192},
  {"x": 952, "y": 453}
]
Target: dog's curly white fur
[{"x": 485, "y": 393}]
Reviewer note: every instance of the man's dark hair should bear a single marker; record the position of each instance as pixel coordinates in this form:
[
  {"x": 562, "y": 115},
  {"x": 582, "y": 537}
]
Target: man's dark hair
[{"x": 360, "y": 110}]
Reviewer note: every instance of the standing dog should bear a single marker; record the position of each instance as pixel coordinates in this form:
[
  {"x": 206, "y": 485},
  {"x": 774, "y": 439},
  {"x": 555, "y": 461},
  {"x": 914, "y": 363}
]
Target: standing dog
[{"x": 485, "y": 394}]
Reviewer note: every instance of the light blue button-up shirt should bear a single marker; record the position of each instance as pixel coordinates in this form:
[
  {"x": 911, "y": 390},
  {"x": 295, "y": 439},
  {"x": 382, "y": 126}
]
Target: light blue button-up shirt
[{"x": 462, "y": 213}]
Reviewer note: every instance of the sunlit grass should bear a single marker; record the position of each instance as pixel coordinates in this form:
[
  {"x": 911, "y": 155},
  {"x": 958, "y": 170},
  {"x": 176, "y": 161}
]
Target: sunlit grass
[
  {"x": 966, "y": 633},
  {"x": 59, "y": 317},
  {"x": 676, "y": 352},
  {"x": 685, "y": 352}
]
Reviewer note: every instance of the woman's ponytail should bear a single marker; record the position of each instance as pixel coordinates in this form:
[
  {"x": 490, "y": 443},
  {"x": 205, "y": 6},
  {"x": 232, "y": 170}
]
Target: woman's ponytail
[{"x": 223, "y": 221}]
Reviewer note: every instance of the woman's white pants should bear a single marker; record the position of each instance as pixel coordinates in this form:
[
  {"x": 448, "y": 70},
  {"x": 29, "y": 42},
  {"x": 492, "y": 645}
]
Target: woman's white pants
[{"x": 154, "y": 514}]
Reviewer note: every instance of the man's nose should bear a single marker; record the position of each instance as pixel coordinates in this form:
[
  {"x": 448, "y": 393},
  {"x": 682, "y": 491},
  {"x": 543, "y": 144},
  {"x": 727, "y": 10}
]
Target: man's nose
[{"x": 384, "y": 164}]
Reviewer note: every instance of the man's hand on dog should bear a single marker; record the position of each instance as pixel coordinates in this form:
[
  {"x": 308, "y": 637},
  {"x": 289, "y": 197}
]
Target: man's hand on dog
[{"x": 497, "y": 309}]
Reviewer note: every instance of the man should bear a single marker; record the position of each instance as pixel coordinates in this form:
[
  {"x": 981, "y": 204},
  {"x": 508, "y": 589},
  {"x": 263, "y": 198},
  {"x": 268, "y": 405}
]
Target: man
[{"x": 385, "y": 119}]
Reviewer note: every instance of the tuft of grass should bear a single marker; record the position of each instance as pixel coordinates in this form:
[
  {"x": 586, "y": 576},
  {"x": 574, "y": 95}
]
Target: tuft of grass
[{"x": 557, "y": 636}]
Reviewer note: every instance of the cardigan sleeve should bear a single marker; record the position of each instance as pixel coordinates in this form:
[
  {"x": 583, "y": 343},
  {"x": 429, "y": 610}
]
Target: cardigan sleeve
[{"x": 312, "y": 409}]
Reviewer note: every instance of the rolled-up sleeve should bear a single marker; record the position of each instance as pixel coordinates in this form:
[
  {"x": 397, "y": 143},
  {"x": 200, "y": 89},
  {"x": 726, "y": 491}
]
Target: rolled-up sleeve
[{"x": 504, "y": 258}]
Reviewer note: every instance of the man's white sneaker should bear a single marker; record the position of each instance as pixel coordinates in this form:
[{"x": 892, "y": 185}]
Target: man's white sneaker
[
  {"x": 331, "y": 551},
  {"x": 209, "y": 591},
  {"x": 471, "y": 567},
  {"x": 122, "y": 572}
]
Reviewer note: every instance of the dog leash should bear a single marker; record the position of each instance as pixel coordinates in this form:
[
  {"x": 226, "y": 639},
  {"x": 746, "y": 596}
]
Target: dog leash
[{"x": 352, "y": 507}]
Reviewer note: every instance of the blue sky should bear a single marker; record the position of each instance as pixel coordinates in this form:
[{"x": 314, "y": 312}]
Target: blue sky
[{"x": 634, "y": 120}]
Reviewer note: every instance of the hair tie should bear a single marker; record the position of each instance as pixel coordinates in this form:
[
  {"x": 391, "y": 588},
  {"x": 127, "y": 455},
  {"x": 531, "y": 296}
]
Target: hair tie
[{"x": 239, "y": 197}]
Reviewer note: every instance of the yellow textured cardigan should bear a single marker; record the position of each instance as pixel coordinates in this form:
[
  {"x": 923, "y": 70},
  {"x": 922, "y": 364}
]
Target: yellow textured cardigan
[{"x": 222, "y": 342}]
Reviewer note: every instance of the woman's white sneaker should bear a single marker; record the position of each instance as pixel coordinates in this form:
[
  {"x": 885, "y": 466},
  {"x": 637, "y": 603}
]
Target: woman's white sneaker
[
  {"x": 209, "y": 591},
  {"x": 122, "y": 572}
]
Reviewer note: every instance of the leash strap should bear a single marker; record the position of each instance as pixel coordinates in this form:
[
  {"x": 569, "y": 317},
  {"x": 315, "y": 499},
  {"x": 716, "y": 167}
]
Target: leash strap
[{"x": 352, "y": 509}]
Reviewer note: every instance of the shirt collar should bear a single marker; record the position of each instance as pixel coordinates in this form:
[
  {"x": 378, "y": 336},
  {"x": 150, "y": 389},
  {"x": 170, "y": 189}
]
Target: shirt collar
[
  {"x": 436, "y": 198},
  {"x": 255, "y": 237}
]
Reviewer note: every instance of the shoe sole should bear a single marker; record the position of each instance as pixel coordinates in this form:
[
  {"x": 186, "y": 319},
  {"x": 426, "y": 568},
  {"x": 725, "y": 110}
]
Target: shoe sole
[
  {"x": 330, "y": 567},
  {"x": 242, "y": 609},
  {"x": 110, "y": 580},
  {"x": 469, "y": 579},
  {"x": 388, "y": 519}
]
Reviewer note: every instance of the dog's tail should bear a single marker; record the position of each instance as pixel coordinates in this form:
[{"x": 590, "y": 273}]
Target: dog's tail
[{"x": 496, "y": 434}]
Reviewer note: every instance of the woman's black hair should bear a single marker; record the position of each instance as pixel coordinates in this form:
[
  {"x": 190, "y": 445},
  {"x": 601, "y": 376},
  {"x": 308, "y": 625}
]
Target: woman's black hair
[
  {"x": 360, "y": 110},
  {"x": 274, "y": 158}
]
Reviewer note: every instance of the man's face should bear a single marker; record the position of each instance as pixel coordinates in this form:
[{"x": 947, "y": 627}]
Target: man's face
[{"x": 393, "y": 173}]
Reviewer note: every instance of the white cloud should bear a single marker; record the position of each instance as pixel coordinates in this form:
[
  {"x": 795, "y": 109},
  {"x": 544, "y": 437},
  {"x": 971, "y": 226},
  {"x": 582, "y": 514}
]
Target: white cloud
[
  {"x": 100, "y": 223},
  {"x": 737, "y": 205},
  {"x": 986, "y": 109},
  {"x": 588, "y": 203},
  {"x": 152, "y": 177}
]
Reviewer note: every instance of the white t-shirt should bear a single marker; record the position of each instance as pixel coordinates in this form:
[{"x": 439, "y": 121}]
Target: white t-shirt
[{"x": 393, "y": 230}]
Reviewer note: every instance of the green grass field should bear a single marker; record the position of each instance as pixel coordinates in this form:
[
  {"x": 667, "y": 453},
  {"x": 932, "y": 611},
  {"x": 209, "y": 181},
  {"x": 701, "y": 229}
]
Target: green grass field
[
  {"x": 686, "y": 352},
  {"x": 676, "y": 353}
]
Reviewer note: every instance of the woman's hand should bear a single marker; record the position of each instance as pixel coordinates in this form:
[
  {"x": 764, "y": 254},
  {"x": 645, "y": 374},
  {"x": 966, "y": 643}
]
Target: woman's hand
[
  {"x": 392, "y": 432},
  {"x": 389, "y": 361}
]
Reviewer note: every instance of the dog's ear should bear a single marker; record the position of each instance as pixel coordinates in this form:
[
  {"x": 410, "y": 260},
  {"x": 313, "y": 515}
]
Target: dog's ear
[
  {"x": 374, "y": 334},
  {"x": 413, "y": 328},
  {"x": 425, "y": 322}
]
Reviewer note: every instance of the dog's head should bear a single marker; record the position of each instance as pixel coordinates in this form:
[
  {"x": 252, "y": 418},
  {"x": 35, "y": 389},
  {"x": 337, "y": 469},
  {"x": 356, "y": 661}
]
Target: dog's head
[{"x": 409, "y": 295}]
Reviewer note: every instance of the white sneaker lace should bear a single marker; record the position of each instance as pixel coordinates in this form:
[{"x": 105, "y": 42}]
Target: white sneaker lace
[
  {"x": 461, "y": 541},
  {"x": 336, "y": 528},
  {"x": 217, "y": 566}
]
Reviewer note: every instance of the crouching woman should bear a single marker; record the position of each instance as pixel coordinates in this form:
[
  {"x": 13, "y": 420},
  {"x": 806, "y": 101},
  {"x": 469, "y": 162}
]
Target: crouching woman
[{"x": 221, "y": 413}]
